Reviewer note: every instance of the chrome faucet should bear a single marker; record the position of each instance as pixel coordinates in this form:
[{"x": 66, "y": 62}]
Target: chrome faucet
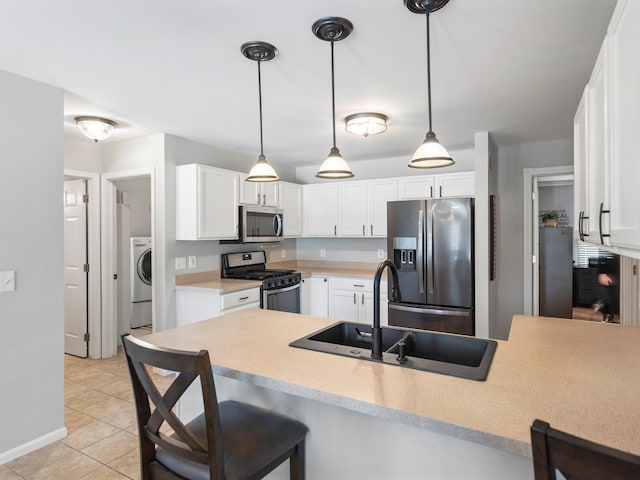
[{"x": 376, "y": 330}]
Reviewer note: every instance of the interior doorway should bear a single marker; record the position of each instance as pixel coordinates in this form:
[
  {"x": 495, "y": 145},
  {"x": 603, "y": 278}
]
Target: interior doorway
[
  {"x": 82, "y": 278},
  {"x": 126, "y": 209},
  {"x": 564, "y": 278}
]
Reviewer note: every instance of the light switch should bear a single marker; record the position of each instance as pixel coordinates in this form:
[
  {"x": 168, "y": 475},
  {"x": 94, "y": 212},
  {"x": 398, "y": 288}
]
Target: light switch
[
  {"x": 192, "y": 261},
  {"x": 181, "y": 263},
  {"x": 380, "y": 253},
  {"x": 8, "y": 281}
]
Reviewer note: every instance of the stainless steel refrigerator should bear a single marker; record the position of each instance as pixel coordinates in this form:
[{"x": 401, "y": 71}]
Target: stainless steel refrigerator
[{"x": 431, "y": 244}]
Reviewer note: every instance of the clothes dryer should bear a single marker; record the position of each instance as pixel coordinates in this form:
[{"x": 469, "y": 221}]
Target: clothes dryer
[{"x": 141, "y": 281}]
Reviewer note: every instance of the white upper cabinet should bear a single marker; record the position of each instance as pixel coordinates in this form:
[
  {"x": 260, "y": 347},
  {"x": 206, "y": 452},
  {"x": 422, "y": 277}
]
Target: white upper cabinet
[
  {"x": 353, "y": 209},
  {"x": 597, "y": 171},
  {"x": 607, "y": 142},
  {"x": 437, "y": 186},
  {"x": 348, "y": 209},
  {"x": 258, "y": 193},
  {"x": 455, "y": 185},
  {"x": 624, "y": 66},
  {"x": 290, "y": 196},
  {"x": 379, "y": 192},
  {"x": 410, "y": 188},
  {"x": 206, "y": 203},
  {"x": 580, "y": 165},
  {"x": 321, "y": 214}
]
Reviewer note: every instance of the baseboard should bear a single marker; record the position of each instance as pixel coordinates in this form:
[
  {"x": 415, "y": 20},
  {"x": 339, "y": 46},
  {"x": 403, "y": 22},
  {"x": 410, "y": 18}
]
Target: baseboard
[{"x": 33, "y": 445}]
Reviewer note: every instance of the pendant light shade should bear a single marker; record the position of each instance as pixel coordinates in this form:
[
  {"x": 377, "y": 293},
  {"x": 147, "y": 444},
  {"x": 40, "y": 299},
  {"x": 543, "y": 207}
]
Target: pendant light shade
[
  {"x": 262, "y": 171},
  {"x": 333, "y": 29},
  {"x": 430, "y": 154},
  {"x": 96, "y": 128}
]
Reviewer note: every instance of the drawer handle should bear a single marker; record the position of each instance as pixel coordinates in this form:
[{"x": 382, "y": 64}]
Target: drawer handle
[
  {"x": 361, "y": 286},
  {"x": 242, "y": 299}
]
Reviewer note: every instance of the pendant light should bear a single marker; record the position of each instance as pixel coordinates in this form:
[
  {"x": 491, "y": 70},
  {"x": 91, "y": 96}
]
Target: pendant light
[
  {"x": 260, "y": 52},
  {"x": 431, "y": 154},
  {"x": 333, "y": 29}
]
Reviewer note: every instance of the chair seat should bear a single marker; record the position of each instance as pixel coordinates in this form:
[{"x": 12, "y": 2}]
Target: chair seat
[{"x": 251, "y": 438}]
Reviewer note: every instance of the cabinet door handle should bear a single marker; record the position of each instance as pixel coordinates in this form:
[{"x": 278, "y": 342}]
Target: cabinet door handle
[
  {"x": 354, "y": 298},
  {"x": 258, "y": 199},
  {"x": 584, "y": 217},
  {"x": 242, "y": 299},
  {"x": 356, "y": 285},
  {"x": 372, "y": 229},
  {"x": 602, "y": 235},
  {"x": 264, "y": 199},
  {"x": 580, "y": 226},
  {"x": 440, "y": 191},
  {"x": 325, "y": 279},
  {"x": 335, "y": 230},
  {"x": 363, "y": 299},
  {"x": 363, "y": 230},
  {"x": 431, "y": 192}
]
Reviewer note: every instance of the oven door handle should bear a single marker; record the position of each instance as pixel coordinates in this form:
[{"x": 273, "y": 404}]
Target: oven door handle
[
  {"x": 266, "y": 293},
  {"x": 281, "y": 290}
]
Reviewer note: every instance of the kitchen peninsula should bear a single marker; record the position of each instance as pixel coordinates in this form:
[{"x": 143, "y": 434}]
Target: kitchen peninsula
[{"x": 369, "y": 420}]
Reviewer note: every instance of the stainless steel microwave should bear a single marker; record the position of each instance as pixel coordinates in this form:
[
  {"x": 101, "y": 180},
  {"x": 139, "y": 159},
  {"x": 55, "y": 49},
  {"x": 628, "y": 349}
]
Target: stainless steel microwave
[{"x": 259, "y": 224}]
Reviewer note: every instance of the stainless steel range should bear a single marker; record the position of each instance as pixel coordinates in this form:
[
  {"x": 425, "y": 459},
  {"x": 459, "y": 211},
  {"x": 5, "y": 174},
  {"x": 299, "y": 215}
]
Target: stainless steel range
[{"x": 280, "y": 288}]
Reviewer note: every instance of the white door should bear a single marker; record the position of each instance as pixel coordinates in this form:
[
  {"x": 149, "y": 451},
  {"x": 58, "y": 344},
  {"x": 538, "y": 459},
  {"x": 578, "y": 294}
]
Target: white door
[
  {"x": 75, "y": 276},
  {"x": 535, "y": 254}
]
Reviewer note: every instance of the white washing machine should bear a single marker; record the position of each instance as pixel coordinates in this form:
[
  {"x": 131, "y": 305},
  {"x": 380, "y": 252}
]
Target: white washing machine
[{"x": 140, "y": 281}]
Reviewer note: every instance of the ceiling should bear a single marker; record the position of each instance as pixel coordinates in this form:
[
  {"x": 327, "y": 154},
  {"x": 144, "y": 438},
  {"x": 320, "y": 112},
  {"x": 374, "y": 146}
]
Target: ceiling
[{"x": 515, "y": 68}]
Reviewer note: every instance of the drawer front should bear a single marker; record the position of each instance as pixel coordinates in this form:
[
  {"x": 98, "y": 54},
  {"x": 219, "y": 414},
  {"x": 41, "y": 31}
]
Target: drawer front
[
  {"x": 356, "y": 284},
  {"x": 239, "y": 298}
]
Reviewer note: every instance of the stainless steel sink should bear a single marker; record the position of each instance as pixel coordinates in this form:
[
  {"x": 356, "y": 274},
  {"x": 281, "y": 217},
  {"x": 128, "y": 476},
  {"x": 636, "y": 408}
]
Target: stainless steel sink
[{"x": 448, "y": 354}]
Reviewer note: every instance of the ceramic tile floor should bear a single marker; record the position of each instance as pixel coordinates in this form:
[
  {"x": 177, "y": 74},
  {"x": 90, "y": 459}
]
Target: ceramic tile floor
[{"x": 102, "y": 441}]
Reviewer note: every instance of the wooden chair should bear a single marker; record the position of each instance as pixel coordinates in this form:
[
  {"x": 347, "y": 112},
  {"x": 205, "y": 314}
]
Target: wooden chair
[
  {"x": 229, "y": 441},
  {"x": 577, "y": 458}
]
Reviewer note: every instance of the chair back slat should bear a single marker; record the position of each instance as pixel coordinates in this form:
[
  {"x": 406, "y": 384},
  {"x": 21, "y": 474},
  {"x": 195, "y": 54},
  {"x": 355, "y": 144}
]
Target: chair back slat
[
  {"x": 577, "y": 458},
  {"x": 185, "y": 443}
]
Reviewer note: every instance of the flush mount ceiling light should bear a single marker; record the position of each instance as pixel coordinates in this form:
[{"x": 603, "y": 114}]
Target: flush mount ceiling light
[
  {"x": 260, "y": 52},
  {"x": 430, "y": 154},
  {"x": 96, "y": 128},
  {"x": 333, "y": 29},
  {"x": 366, "y": 124}
]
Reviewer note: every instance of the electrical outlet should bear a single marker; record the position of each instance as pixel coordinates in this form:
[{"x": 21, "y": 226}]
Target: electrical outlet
[
  {"x": 380, "y": 253},
  {"x": 192, "y": 261},
  {"x": 322, "y": 253},
  {"x": 283, "y": 253},
  {"x": 181, "y": 263}
]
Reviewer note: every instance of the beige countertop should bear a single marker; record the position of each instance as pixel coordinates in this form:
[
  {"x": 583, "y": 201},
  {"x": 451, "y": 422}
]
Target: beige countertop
[
  {"x": 225, "y": 285},
  {"x": 212, "y": 280},
  {"x": 579, "y": 376}
]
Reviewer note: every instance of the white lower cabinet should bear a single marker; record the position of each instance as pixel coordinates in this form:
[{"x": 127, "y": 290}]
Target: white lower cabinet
[
  {"x": 240, "y": 300},
  {"x": 351, "y": 299},
  {"x": 197, "y": 304},
  {"x": 314, "y": 296}
]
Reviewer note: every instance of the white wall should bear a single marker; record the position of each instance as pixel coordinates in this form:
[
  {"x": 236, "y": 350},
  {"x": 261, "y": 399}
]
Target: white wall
[
  {"x": 31, "y": 236},
  {"x": 511, "y": 162},
  {"x": 341, "y": 249},
  {"x": 82, "y": 156},
  {"x": 138, "y": 202},
  {"x": 389, "y": 167}
]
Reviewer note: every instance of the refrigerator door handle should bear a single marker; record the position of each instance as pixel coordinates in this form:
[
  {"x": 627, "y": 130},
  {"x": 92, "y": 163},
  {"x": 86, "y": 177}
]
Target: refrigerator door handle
[
  {"x": 430, "y": 259},
  {"x": 420, "y": 254}
]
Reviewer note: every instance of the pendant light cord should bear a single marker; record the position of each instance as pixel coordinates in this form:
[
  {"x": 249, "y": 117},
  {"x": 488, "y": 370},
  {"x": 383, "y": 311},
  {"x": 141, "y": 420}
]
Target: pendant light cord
[
  {"x": 333, "y": 96},
  {"x": 260, "y": 104},
  {"x": 428, "y": 69}
]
